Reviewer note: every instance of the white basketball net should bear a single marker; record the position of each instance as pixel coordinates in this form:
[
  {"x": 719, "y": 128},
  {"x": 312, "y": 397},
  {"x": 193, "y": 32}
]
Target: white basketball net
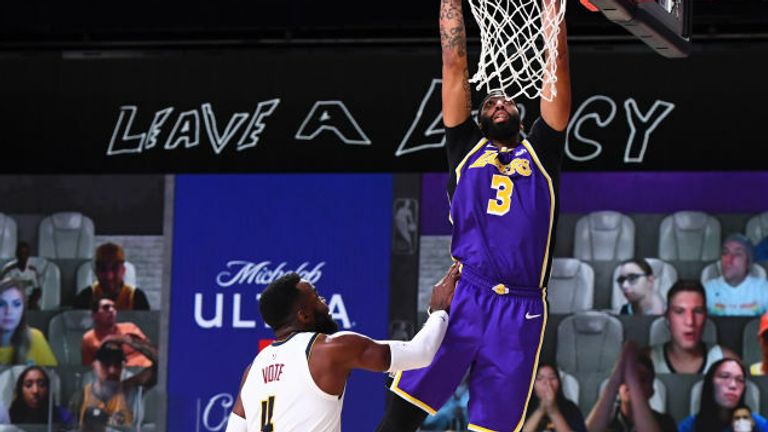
[{"x": 516, "y": 36}]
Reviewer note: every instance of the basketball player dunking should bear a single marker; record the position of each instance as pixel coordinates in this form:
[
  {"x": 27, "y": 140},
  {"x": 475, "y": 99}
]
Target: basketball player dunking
[
  {"x": 503, "y": 195},
  {"x": 297, "y": 383}
]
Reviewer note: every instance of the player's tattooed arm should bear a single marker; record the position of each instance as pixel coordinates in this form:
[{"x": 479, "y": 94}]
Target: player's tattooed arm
[{"x": 457, "y": 104}]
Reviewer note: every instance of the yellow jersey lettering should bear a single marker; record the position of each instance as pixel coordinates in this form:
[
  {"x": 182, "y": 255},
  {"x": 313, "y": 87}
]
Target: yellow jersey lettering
[{"x": 489, "y": 157}]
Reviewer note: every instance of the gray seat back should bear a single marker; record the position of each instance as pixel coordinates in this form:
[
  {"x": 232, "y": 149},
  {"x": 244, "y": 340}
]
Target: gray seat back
[
  {"x": 659, "y": 332},
  {"x": 66, "y": 235},
  {"x": 65, "y": 332},
  {"x": 8, "y": 237},
  {"x": 604, "y": 236},
  {"x": 752, "y": 352},
  {"x": 665, "y": 276},
  {"x": 757, "y": 228},
  {"x": 571, "y": 286},
  {"x": 588, "y": 342},
  {"x": 689, "y": 236},
  {"x": 570, "y": 386}
]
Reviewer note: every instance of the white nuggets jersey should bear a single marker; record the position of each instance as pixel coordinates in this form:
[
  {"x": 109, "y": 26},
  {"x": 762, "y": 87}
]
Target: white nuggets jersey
[{"x": 279, "y": 394}]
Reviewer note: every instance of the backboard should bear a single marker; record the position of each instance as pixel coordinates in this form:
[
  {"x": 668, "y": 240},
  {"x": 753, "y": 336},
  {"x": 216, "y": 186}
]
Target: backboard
[{"x": 665, "y": 25}]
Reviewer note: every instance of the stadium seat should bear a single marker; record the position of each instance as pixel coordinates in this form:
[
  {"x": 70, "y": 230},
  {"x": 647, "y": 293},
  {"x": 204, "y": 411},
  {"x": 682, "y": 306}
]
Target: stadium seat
[
  {"x": 10, "y": 375},
  {"x": 658, "y": 401},
  {"x": 8, "y": 237},
  {"x": 571, "y": 286},
  {"x": 714, "y": 270},
  {"x": 65, "y": 332},
  {"x": 86, "y": 276},
  {"x": 588, "y": 342},
  {"x": 752, "y": 352},
  {"x": 604, "y": 236},
  {"x": 659, "y": 332},
  {"x": 752, "y": 396},
  {"x": 570, "y": 386},
  {"x": 689, "y": 236},
  {"x": 757, "y": 228},
  {"x": 66, "y": 235},
  {"x": 50, "y": 281},
  {"x": 664, "y": 273}
]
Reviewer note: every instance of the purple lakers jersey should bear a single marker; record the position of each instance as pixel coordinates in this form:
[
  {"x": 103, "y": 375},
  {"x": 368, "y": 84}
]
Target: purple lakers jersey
[{"x": 503, "y": 207}]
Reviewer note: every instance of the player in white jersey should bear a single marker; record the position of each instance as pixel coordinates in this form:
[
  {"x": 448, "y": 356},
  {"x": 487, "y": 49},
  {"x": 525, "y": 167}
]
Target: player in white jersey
[{"x": 297, "y": 383}]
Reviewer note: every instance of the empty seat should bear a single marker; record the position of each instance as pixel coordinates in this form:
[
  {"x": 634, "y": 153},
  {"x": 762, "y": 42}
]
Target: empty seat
[
  {"x": 85, "y": 275},
  {"x": 752, "y": 352},
  {"x": 689, "y": 236},
  {"x": 8, "y": 237},
  {"x": 570, "y": 386},
  {"x": 604, "y": 236},
  {"x": 757, "y": 228},
  {"x": 665, "y": 276},
  {"x": 9, "y": 376},
  {"x": 571, "y": 286},
  {"x": 588, "y": 342},
  {"x": 659, "y": 332},
  {"x": 658, "y": 401},
  {"x": 714, "y": 271},
  {"x": 752, "y": 396},
  {"x": 65, "y": 332},
  {"x": 66, "y": 235}
]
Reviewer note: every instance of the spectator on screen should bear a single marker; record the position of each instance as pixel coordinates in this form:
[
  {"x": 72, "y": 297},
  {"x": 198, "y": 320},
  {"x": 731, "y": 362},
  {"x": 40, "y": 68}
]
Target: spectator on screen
[
  {"x": 742, "y": 419},
  {"x": 736, "y": 292},
  {"x": 20, "y": 343},
  {"x": 636, "y": 281},
  {"x": 686, "y": 316},
  {"x": 109, "y": 397},
  {"x": 453, "y": 415},
  {"x": 548, "y": 409},
  {"x": 632, "y": 380},
  {"x": 723, "y": 391},
  {"x": 32, "y": 398},
  {"x": 109, "y": 266},
  {"x": 106, "y": 327},
  {"x": 26, "y": 274},
  {"x": 761, "y": 367}
]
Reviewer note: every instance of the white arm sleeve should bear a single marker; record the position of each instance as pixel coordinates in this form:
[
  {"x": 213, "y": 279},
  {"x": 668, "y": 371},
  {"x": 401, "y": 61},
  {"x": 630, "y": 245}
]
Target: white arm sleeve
[
  {"x": 236, "y": 423},
  {"x": 419, "y": 351}
]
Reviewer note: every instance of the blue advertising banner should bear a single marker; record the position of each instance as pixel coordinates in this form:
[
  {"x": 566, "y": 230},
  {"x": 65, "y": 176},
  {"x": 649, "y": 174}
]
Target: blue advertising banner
[{"x": 233, "y": 234}]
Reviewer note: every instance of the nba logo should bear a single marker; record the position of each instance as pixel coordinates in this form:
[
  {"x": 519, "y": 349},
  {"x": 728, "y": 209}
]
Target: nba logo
[{"x": 405, "y": 227}]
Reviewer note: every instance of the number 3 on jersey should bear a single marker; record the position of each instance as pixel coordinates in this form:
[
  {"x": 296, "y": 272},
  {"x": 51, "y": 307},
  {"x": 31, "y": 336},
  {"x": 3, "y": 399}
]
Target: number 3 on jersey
[
  {"x": 499, "y": 206},
  {"x": 267, "y": 409}
]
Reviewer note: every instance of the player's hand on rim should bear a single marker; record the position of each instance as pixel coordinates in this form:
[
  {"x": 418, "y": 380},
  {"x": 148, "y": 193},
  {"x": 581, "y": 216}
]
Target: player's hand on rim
[{"x": 442, "y": 292}]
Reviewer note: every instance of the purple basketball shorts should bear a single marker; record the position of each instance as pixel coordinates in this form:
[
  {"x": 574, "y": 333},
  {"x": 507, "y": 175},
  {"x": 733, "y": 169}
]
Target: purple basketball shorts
[{"x": 496, "y": 332}]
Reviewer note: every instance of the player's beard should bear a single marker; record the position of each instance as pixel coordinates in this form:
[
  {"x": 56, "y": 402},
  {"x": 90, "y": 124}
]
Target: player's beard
[
  {"x": 325, "y": 324},
  {"x": 508, "y": 130}
]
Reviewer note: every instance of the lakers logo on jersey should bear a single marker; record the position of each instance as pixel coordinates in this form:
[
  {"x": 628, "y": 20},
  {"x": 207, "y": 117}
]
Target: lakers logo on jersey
[{"x": 520, "y": 166}]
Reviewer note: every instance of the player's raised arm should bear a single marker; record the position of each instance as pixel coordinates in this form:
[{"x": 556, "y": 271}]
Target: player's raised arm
[
  {"x": 557, "y": 112},
  {"x": 335, "y": 356},
  {"x": 457, "y": 102}
]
